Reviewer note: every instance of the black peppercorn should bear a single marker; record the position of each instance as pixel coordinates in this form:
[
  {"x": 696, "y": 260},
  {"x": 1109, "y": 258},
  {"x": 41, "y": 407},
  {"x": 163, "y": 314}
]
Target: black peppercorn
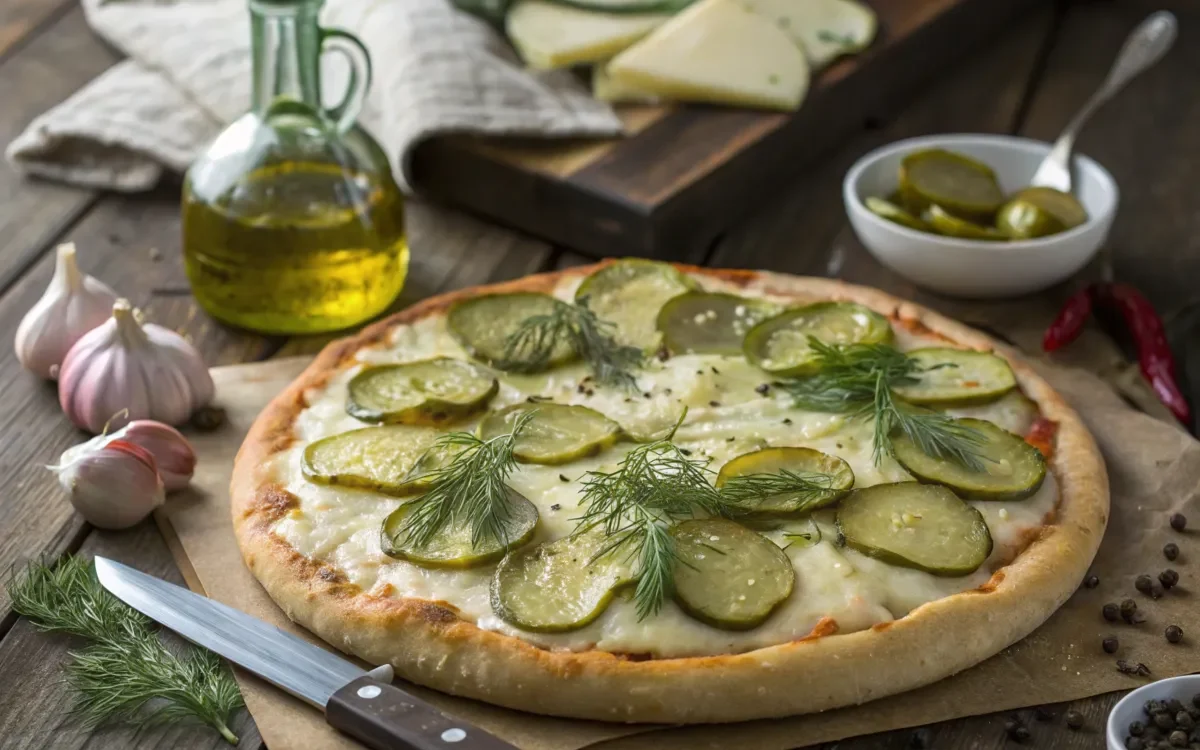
[
  {"x": 1134, "y": 743},
  {"x": 1144, "y": 584},
  {"x": 1196, "y": 700},
  {"x": 919, "y": 740},
  {"x": 1168, "y": 578},
  {"x": 1091, "y": 581},
  {"x": 1042, "y": 713},
  {"x": 1184, "y": 720},
  {"x": 1178, "y": 521},
  {"x": 1178, "y": 739},
  {"x": 1074, "y": 720},
  {"x": 1174, "y": 634},
  {"x": 1164, "y": 721},
  {"x": 1152, "y": 707},
  {"x": 1111, "y": 612},
  {"x": 1173, "y": 705},
  {"x": 1021, "y": 734},
  {"x": 1171, "y": 551},
  {"x": 1110, "y": 644},
  {"x": 1128, "y": 608},
  {"x": 762, "y": 389},
  {"x": 1137, "y": 728}
]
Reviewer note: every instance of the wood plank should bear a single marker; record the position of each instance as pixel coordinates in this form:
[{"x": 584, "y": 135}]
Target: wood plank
[
  {"x": 45, "y": 70},
  {"x": 20, "y": 19},
  {"x": 35, "y": 716}
]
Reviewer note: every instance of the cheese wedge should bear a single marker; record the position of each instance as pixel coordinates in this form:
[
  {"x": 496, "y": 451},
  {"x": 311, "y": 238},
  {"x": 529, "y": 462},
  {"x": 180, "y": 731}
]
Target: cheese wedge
[
  {"x": 716, "y": 51},
  {"x": 824, "y": 29},
  {"x": 557, "y": 36},
  {"x": 606, "y": 89}
]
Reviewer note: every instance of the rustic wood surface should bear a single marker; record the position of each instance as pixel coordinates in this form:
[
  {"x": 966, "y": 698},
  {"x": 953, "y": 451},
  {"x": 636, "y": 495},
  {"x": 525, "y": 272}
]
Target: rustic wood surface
[{"x": 1028, "y": 80}]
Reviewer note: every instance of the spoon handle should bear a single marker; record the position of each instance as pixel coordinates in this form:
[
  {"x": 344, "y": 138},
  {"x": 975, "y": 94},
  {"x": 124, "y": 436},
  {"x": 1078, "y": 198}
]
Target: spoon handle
[{"x": 1145, "y": 46}]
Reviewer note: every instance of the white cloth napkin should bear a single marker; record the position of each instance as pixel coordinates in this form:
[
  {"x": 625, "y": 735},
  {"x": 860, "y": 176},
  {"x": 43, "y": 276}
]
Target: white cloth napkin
[{"x": 436, "y": 71}]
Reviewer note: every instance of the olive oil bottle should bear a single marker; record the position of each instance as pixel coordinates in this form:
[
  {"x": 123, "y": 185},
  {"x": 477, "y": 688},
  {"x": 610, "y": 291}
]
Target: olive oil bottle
[{"x": 292, "y": 222}]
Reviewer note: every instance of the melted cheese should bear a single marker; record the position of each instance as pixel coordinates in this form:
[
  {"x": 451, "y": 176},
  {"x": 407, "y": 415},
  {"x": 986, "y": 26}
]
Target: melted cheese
[{"x": 726, "y": 417}]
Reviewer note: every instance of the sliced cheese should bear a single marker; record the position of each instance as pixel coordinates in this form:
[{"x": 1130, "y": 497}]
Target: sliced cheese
[
  {"x": 557, "y": 36},
  {"x": 717, "y": 51},
  {"x": 824, "y": 29},
  {"x": 606, "y": 89}
]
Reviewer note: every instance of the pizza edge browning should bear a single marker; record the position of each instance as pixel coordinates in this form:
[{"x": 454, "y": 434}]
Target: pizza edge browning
[{"x": 428, "y": 644}]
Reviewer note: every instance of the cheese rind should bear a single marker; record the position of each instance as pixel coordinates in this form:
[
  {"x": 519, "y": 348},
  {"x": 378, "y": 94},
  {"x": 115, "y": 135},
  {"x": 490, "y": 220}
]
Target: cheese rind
[
  {"x": 548, "y": 35},
  {"x": 716, "y": 51}
]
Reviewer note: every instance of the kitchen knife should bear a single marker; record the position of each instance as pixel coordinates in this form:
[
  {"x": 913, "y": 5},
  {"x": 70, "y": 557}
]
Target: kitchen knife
[{"x": 364, "y": 705}]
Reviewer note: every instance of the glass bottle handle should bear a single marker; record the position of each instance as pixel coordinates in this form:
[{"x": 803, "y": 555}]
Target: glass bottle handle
[{"x": 345, "y": 112}]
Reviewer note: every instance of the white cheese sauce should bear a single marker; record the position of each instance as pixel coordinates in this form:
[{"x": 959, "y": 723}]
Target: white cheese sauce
[{"x": 726, "y": 417}]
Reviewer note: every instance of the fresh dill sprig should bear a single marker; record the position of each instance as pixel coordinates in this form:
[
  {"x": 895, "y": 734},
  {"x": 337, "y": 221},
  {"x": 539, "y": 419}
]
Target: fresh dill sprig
[
  {"x": 471, "y": 487},
  {"x": 750, "y": 489},
  {"x": 858, "y": 379},
  {"x": 531, "y": 346},
  {"x": 126, "y": 673},
  {"x": 655, "y": 486}
]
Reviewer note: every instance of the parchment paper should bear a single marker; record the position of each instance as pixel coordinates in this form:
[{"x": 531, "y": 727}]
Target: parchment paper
[{"x": 1154, "y": 470}]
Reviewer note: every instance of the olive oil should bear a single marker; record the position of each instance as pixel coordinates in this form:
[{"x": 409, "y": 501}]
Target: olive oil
[{"x": 296, "y": 248}]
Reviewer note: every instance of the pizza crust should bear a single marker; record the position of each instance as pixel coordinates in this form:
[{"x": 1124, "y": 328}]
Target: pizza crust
[{"x": 428, "y": 644}]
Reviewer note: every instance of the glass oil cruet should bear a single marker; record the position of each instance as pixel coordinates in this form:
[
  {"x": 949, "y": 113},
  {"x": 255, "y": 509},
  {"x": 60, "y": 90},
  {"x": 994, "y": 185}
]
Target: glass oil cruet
[{"x": 292, "y": 222}]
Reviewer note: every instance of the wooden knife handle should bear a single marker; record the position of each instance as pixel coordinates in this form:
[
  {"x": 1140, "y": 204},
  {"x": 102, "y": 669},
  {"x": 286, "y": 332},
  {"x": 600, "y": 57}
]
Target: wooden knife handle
[{"x": 385, "y": 717}]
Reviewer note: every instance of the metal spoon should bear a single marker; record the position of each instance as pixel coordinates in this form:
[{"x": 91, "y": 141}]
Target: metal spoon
[{"x": 1145, "y": 46}]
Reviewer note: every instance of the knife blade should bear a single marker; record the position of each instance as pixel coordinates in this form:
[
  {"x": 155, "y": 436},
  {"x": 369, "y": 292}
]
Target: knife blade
[{"x": 362, "y": 704}]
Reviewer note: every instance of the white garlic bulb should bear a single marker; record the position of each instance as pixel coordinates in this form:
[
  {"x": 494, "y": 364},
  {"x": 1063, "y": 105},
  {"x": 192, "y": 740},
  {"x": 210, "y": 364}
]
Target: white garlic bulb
[
  {"x": 72, "y": 305},
  {"x": 173, "y": 454},
  {"x": 123, "y": 370},
  {"x": 113, "y": 486}
]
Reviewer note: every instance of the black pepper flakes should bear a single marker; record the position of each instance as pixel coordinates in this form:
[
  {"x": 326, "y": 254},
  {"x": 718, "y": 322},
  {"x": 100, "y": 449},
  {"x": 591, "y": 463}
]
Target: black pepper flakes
[
  {"x": 556, "y": 506},
  {"x": 1173, "y": 634},
  {"x": 663, "y": 355},
  {"x": 1091, "y": 582},
  {"x": 1178, "y": 521},
  {"x": 685, "y": 451},
  {"x": 787, "y": 420},
  {"x": 714, "y": 404},
  {"x": 1111, "y": 612},
  {"x": 762, "y": 389},
  {"x": 1074, "y": 720},
  {"x": 646, "y": 394},
  {"x": 1144, "y": 584},
  {"x": 1168, "y": 578},
  {"x": 1110, "y": 644},
  {"x": 1171, "y": 551},
  {"x": 589, "y": 392},
  {"x": 1139, "y": 669},
  {"x": 715, "y": 370},
  {"x": 1128, "y": 610},
  {"x": 580, "y": 388},
  {"x": 563, "y": 478},
  {"x": 730, "y": 439}
]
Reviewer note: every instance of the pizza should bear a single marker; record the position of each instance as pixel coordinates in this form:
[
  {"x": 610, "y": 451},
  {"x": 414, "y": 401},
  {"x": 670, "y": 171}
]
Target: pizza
[{"x": 644, "y": 492}]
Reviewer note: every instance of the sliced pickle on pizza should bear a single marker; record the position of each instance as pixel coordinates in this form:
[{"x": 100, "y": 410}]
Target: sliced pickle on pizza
[
  {"x": 921, "y": 526},
  {"x": 452, "y": 546},
  {"x": 710, "y": 322},
  {"x": 629, "y": 294},
  {"x": 1014, "y": 411},
  {"x": 1012, "y": 468},
  {"x": 483, "y": 325},
  {"x": 729, "y": 576},
  {"x": 782, "y": 345},
  {"x": 784, "y": 481},
  {"x": 555, "y": 434},
  {"x": 431, "y": 392},
  {"x": 561, "y": 585},
  {"x": 383, "y": 459},
  {"x": 957, "y": 376}
]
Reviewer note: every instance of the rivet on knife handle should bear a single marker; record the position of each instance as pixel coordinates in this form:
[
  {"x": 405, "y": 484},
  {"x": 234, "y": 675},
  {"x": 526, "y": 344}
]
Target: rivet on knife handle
[{"x": 386, "y": 718}]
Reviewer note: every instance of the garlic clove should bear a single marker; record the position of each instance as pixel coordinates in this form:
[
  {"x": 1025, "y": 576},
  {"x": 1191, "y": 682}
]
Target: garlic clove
[
  {"x": 73, "y": 304},
  {"x": 114, "y": 486},
  {"x": 124, "y": 371},
  {"x": 173, "y": 454}
]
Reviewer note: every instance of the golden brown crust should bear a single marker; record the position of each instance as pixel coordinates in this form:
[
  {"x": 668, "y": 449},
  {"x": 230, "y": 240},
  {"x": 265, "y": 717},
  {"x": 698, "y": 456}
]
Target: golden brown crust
[{"x": 427, "y": 643}]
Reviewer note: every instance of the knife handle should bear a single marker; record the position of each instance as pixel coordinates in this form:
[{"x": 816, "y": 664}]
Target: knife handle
[{"x": 384, "y": 717}]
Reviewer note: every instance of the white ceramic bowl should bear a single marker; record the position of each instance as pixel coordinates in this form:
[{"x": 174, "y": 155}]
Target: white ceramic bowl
[
  {"x": 975, "y": 268},
  {"x": 1129, "y": 708}
]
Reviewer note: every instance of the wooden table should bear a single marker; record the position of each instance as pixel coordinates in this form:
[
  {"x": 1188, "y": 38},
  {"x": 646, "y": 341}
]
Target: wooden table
[{"x": 1028, "y": 80}]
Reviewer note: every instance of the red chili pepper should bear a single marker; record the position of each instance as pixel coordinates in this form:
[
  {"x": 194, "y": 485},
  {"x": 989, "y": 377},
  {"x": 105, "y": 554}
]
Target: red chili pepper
[
  {"x": 1069, "y": 323},
  {"x": 1154, "y": 353}
]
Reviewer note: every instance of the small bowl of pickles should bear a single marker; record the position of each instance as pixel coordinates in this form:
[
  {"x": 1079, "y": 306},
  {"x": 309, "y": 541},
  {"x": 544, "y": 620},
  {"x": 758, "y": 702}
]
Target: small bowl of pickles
[{"x": 956, "y": 214}]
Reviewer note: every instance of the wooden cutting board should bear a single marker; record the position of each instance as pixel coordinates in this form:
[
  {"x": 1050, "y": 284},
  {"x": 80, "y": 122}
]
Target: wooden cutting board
[{"x": 684, "y": 174}]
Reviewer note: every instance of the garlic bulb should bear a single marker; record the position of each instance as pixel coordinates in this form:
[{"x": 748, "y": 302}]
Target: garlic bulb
[
  {"x": 113, "y": 486},
  {"x": 173, "y": 454},
  {"x": 72, "y": 305},
  {"x": 123, "y": 371}
]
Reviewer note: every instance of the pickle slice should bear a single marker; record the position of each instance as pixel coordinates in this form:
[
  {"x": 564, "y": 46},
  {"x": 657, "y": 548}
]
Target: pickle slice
[
  {"x": 452, "y": 547},
  {"x": 1024, "y": 220},
  {"x": 556, "y": 434},
  {"x": 957, "y": 376},
  {"x": 1014, "y": 411},
  {"x": 949, "y": 225},
  {"x": 629, "y": 293},
  {"x": 919, "y": 526},
  {"x": 885, "y": 209},
  {"x": 961, "y": 185},
  {"x": 824, "y": 469},
  {"x": 561, "y": 585},
  {"x": 780, "y": 345},
  {"x": 432, "y": 391},
  {"x": 482, "y": 325},
  {"x": 1063, "y": 206},
  {"x": 729, "y": 576},
  {"x": 373, "y": 458},
  {"x": 710, "y": 322},
  {"x": 1013, "y": 469}
]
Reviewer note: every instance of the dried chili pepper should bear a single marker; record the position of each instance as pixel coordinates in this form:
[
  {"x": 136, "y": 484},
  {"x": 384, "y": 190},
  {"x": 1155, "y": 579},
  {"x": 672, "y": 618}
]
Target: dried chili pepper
[
  {"x": 1154, "y": 353},
  {"x": 1071, "y": 318}
]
